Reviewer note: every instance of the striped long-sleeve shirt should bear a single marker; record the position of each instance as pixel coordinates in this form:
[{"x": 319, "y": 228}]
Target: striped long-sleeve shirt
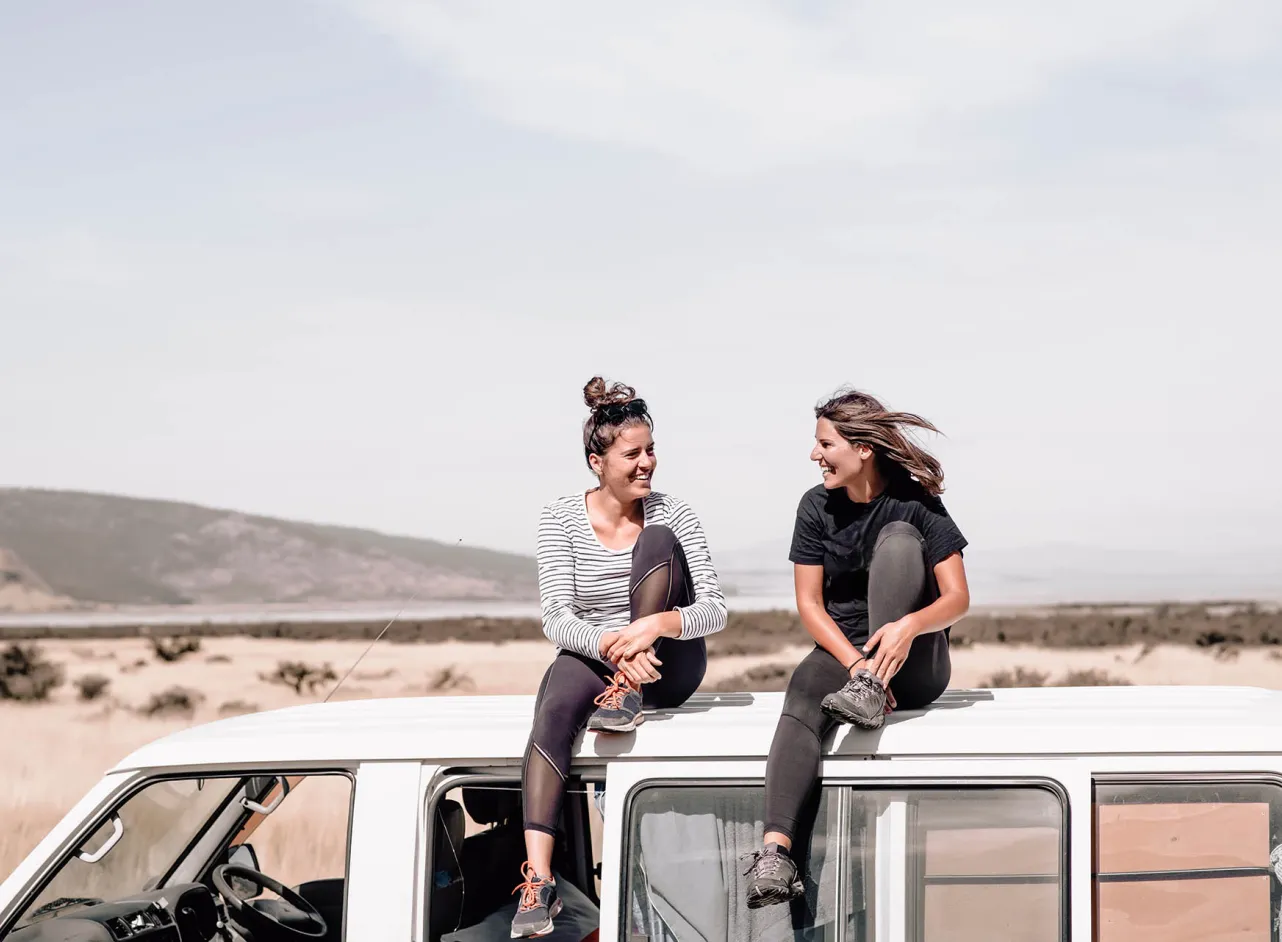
[{"x": 583, "y": 586}]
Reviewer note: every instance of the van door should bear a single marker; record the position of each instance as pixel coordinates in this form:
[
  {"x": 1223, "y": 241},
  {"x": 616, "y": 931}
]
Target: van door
[{"x": 898, "y": 851}]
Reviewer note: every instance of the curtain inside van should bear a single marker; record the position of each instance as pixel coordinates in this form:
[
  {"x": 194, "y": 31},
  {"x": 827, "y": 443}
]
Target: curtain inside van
[{"x": 691, "y": 849}]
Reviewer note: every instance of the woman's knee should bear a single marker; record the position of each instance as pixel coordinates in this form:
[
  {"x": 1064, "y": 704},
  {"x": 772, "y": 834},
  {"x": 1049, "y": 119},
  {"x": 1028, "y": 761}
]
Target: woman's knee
[
  {"x": 818, "y": 675},
  {"x": 560, "y": 715},
  {"x": 656, "y": 540},
  {"x": 554, "y": 731},
  {"x": 899, "y": 538},
  {"x": 899, "y": 579}
]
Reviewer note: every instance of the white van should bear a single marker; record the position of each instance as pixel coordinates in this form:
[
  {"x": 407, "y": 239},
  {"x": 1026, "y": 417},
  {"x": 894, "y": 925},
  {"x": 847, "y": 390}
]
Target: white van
[{"x": 1122, "y": 814}]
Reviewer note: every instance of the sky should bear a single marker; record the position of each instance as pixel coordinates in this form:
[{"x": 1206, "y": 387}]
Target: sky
[{"x": 353, "y": 260}]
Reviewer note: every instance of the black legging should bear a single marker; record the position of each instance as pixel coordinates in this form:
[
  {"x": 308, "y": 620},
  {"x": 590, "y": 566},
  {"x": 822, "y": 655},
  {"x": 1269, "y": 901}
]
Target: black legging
[
  {"x": 660, "y": 582},
  {"x": 899, "y": 582}
]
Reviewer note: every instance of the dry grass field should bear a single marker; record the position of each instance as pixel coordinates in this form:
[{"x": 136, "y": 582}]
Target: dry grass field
[{"x": 57, "y": 748}]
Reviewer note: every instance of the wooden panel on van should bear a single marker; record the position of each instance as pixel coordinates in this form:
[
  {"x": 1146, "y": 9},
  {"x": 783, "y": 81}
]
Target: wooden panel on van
[
  {"x": 1026, "y": 912},
  {"x": 1181, "y": 836},
  {"x": 1225, "y": 910}
]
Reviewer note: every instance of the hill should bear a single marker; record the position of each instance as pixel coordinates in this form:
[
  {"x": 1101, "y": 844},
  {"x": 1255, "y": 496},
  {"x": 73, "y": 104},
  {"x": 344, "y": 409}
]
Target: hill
[
  {"x": 100, "y": 548},
  {"x": 22, "y": 590}
]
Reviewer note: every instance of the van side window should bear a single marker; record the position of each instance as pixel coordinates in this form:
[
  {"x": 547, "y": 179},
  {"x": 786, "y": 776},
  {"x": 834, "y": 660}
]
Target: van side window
[
  {"x": 944, "y": 864},
  {"x": 291, "y": 827},
  {"x": 477, "y": 847},
  {"x": 990, "y": 865},
  {"x": 1182, "y": 861}
]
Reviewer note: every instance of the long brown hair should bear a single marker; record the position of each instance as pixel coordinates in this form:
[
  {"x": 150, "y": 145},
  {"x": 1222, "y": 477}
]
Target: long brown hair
[
  {"x": 862, "y": 420},
  {"x": 614, "y": 407}
]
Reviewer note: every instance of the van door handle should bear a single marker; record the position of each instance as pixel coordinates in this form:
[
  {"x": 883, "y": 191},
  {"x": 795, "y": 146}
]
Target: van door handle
[
  {"x": 251, "y": 805},
  {"x": 117, "y": 831}
]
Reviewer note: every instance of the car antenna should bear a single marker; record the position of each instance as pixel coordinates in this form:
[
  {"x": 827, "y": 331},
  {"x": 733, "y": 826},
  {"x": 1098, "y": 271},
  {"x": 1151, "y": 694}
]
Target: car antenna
[
  {"x": 390, "y": 621},
  {"x": 389, "y": 624}
]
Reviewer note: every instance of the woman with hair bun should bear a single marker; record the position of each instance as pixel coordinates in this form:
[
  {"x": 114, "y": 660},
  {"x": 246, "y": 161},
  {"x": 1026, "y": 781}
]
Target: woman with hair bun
[
  {"x": 877, "y": 566},
  {"x": 628, "y": 593}
]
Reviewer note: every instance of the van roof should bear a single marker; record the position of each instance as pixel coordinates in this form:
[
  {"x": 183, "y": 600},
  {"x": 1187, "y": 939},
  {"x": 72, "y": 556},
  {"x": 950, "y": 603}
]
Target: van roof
[{"x": 494, "y": 730}]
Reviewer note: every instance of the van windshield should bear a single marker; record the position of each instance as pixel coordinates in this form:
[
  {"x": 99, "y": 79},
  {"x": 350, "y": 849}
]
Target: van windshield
[{"x": 158, "y": 824}]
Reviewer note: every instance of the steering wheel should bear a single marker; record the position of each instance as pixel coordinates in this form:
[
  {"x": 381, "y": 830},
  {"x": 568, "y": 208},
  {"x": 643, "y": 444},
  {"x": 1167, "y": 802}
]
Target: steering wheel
[{"x": 291, "y": 917}]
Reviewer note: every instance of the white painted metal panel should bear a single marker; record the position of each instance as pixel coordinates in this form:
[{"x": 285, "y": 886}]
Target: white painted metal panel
[{"x": 382, "y": 863}]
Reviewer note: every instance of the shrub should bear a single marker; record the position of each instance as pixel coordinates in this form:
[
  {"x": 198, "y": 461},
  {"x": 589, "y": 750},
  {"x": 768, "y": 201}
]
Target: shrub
[
  {"x": 1091, "y": 677},
  {"x": 448, "y": 679},
  {"x": 299, "y": 674},
  {"x": 174, "y": 649},
  {"x": 237, "y": 707},
  {"x": 374, "y": 675},
  {"x": 92, "y": 686},
  {"x": 1027, "y": 677},
  {"x": 1019, "y": 677},
  {"x": 171, "y": 701},
  {"x": 26, "y": 674}
]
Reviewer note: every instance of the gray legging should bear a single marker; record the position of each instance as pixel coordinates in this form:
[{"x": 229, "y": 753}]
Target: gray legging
[
  {"x": 899, "y": 582},
  {"x": 660, "y": 582}
]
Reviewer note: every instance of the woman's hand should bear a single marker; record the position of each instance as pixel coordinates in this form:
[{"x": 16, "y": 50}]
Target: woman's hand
[
  {"x": 632, "y": 640},
  {"x": 640, "y": 669},
  {"x": 892, "y": 641},
  {"x": 603, "y": 645},
  {"x": 862, "y": 664}
]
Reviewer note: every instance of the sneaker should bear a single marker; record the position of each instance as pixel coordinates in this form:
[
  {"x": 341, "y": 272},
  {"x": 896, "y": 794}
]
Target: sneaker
[
  {"x": 618, "y": 708},
  {"x": 774, "y": 878},
  {"x": 538, "y": 907},
  {"x": 862, "y": 701}
]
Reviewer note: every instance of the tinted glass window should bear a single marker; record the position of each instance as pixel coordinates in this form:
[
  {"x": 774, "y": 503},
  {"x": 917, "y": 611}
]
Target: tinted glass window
[{"x": 1186, "y": 861}]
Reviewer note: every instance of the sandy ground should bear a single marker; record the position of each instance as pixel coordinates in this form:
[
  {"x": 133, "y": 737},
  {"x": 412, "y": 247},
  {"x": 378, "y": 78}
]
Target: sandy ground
[{"x": 54, "y": 751}]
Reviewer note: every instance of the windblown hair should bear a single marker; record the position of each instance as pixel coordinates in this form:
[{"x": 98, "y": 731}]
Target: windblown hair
[
  {"x": 862, "y": 420},
  {"x": 602, "y": 427}
]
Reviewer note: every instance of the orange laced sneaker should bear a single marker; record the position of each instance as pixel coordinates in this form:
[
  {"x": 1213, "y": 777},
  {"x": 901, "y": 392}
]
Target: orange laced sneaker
[
  {"x": 538, "y": 906},
  {"x": 618, "y": 708}
]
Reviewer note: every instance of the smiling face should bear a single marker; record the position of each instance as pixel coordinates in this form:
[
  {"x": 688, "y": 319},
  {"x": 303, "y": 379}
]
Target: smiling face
[
  {"x": 840, "y": 462},
  {"x": 627, "y": 467}
]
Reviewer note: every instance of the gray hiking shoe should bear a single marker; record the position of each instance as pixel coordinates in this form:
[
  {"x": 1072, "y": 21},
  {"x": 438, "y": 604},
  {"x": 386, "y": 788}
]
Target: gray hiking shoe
[
  {"x": 538, "y": 907},
  {"x": 618, "y": 708},
  {"x": 862, "y": 701},
  {"x": 774, "y": 878}
]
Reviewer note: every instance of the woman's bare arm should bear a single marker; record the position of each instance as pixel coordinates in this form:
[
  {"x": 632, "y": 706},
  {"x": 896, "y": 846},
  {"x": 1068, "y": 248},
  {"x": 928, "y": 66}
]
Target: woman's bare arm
[{"x": 808, "y": 582}]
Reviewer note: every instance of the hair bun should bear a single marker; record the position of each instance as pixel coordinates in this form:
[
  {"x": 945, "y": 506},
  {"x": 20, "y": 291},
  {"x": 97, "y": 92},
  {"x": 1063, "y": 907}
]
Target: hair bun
[{"x": 596, "y": 394}]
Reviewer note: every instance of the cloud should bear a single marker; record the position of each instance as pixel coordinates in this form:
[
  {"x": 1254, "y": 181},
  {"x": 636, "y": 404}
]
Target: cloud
[{"x": 747, "y": 85}]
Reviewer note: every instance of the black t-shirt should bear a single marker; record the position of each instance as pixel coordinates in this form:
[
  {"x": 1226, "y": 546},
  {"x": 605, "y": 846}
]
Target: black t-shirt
[{"x": 835, "y": 532}]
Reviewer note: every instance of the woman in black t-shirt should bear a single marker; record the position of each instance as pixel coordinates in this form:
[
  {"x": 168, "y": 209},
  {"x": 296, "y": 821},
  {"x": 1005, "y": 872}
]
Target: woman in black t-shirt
[{"x": 879, "y": 581}]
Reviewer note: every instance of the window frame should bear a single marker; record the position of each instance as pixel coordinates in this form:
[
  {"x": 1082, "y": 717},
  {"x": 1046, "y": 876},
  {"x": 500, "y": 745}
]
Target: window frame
[
  {"x": 130, "y": 788},
  {"x": 899, "y": 907}
]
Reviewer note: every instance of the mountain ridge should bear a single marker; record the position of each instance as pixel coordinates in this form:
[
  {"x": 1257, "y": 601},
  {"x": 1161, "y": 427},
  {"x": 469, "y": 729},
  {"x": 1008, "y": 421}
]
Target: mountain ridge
[{"x": 108, "y": 549}]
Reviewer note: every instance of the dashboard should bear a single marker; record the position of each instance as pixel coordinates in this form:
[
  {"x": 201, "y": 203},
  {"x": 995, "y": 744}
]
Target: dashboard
[{"x": 184, "y": 913}]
